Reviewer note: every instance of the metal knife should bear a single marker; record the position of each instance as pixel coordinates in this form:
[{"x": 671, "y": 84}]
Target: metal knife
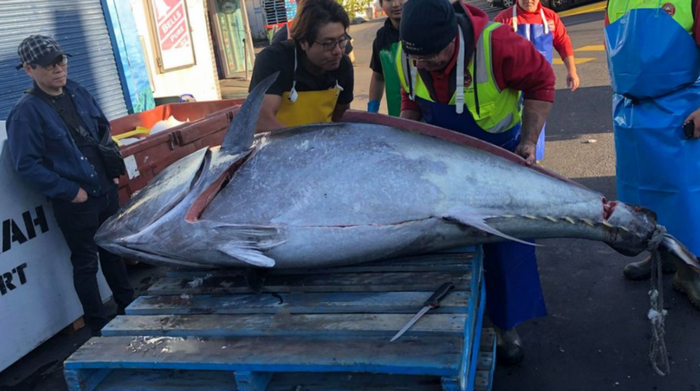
[{"x": 432, "y": 303}]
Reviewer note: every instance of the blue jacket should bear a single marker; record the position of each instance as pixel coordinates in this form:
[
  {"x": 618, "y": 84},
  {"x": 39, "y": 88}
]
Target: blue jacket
[{"x": 42, "y": 149}]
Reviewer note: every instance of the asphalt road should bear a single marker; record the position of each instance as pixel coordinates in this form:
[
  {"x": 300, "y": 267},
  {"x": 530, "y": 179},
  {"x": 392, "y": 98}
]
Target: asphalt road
[{"x": 596, "y": 336}]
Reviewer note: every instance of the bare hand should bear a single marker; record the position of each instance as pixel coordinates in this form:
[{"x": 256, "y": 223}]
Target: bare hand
[
  {"x": 115, "y": 180},
  {"x": 695, "y": 117},
  {"x": 81, "y": 197},
  {"x": 572, "y": 81},
  {"x": 527, "y": 151}
]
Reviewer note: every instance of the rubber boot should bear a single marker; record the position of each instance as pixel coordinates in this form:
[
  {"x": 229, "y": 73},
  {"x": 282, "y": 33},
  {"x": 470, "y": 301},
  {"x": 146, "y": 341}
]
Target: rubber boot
[
  {"x": 509, "y": 347},
  {"x": 687, "y": 281},
  {"x": 641, "y": 270}
]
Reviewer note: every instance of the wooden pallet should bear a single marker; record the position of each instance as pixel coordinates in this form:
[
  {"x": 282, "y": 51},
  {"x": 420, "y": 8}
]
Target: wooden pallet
[{"x": 309, "y": 330}]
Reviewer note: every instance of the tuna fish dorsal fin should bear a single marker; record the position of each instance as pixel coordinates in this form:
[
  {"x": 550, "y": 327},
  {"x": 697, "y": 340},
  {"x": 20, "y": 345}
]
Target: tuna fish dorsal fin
[
  {"x": 475, "y": 218},
  {"x": 239, "y": 135},
  {"x": 249, "y": 256}
]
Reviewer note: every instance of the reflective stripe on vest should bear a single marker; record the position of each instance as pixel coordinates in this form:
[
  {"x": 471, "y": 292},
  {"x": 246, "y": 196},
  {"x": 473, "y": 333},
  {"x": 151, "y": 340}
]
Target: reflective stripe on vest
[
  {"x": 495, "y": 111},
  {"x": 680, "y": 10}
]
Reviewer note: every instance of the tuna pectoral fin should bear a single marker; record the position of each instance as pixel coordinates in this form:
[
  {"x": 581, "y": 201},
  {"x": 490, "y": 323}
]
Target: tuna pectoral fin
[
  {"x": 249, "y": 256},
  {"x": 476, "y": 220}
]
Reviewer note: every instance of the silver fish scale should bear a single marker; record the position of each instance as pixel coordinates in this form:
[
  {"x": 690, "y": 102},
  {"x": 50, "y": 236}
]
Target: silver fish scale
[{"x": 356, "y": 174}]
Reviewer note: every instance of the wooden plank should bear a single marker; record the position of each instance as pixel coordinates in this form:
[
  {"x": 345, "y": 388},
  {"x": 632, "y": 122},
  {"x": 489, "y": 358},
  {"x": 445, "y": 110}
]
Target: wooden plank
[
  {"x": 482, "y": 381},
  {"x": 352, "y": 382},
  {"x": 484, "y": 361},
  {"x": 253, "y": 381},
  {"x": 472, "y": 339},
  {"x": 168, "y": 380},
  {"x": 484, "y": 378},
  {"x": 319, "y": 303},
  {"x": 488, "y": 336},
  {"x": 339, "y": 325},
  {"x": 450, "y": 384},
  {"x": 432, "y": 262},
  {"x": 409, "y": 355},
  {"x": 428, "y": 267},
  {"x": 350, "y": 282},
  {"x": 175, "y": 380},
  {"x": 84, "y": 380}
]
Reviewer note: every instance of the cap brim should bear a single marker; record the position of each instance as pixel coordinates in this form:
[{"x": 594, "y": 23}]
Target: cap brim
[{"x": 49, "y": 58}]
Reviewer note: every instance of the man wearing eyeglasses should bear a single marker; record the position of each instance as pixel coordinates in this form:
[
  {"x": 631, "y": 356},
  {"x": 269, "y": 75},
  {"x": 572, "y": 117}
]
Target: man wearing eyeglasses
[
  {"x": 315, "y": 83},
  {"x": 461, "y": 72},
  {"x": 58, "y": 138}
]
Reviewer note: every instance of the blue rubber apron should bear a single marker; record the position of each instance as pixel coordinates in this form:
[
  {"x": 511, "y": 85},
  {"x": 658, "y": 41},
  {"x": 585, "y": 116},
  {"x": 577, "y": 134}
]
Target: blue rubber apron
[
  {"x": 542, "y": 38},
  {"x": 654, "y": 65},
  {"x": 513, "y": 289}
]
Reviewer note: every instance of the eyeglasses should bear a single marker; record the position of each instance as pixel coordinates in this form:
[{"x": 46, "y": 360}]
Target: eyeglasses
[
  {"x": 330, "y": 45},
  {"x": 59, "y": 62},
  {"x": 424, "y": 59}
]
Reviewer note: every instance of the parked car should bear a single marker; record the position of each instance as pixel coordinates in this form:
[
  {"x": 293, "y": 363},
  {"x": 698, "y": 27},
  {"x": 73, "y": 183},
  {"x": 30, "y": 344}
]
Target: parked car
[{"x": 557, "y": 5}]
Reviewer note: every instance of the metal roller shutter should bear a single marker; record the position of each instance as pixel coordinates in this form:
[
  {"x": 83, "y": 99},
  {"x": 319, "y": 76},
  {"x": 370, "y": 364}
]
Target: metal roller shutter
[{"x": 81, "y": 29}]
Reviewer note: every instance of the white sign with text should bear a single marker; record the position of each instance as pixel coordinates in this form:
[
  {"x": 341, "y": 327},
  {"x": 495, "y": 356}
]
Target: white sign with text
[{"x": 37, "y": 298}]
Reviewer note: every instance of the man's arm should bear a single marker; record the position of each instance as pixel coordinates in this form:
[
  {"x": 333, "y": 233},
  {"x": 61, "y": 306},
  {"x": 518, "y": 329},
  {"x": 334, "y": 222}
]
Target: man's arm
[
  {"x": 376, "y": 83},
  {"x": 535, "y": 112},
  {"x": 376, "y": 91},
  {"x": 339, "y": 111},
  {"x": 562, "y": 43},
  {"x": 572, "y": 80},
  {"x": 267, "y": 120},
  {"x": 409, "y": 109},
  {"x": 411, "y": 114},
  {"x": 26, "y": 144},
  {"x": 519, "y": 66}
]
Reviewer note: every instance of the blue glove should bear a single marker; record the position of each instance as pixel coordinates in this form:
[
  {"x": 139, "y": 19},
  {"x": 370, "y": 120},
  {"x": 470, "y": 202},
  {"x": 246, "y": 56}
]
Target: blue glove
[{"x": 373, "y": 106}]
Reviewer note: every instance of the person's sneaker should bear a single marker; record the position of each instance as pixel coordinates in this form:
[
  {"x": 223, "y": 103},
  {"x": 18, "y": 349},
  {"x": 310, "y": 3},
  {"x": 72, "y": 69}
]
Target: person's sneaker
[
  {"x": 687, "y": 281},
  {"x": 509, "y": 347},
  {"x": 641, "y": 270}
]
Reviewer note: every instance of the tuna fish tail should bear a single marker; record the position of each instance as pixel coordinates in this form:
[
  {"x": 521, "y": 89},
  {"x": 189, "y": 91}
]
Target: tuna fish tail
[
  {"x": 239, "y": 136},
  {"x": 676, "y": 248}
]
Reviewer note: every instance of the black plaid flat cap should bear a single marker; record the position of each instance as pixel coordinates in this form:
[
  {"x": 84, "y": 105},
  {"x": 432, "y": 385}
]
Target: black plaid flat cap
[{"x": 39, "y": 49}]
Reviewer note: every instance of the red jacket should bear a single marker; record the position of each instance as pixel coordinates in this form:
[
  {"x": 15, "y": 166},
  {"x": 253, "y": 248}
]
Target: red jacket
[
  {"x": 516, "y": 64},
  {"x": 562, "y": 42}
]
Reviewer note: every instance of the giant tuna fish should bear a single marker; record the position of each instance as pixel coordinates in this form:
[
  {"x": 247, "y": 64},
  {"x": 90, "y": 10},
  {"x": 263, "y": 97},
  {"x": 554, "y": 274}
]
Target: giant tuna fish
[{"x": 335, "y": 194}]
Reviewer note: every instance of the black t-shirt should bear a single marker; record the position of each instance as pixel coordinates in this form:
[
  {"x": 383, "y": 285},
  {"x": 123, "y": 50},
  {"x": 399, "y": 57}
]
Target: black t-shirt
[
  {"x": 386, "y": 36},
  {"x": 280, "y": 57}
]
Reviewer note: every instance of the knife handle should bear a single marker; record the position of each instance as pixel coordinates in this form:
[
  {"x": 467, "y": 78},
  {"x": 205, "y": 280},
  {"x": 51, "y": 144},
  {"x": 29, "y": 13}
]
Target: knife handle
[{"x": 434, "y": 300}]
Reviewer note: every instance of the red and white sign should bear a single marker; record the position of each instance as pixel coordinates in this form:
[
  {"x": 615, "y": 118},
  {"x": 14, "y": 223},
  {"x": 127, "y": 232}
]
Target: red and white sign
[{"x": 173, "y": 33}]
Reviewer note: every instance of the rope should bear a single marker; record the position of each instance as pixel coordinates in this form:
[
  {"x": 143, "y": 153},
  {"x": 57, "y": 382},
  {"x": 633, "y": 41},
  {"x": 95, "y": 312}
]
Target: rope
[{"x": 657, "y": 314}]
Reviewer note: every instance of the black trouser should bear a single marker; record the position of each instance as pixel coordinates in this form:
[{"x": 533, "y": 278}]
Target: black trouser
[{"x": 79, "y": 223}]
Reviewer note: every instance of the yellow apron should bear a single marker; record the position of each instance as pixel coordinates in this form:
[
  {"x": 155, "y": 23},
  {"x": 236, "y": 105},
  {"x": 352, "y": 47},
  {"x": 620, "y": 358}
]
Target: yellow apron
[{"x": 307, "y": 107}]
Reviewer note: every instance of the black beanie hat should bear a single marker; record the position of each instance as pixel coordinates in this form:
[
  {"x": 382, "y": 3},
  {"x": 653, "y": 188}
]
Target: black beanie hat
[{"x": 427, "y": 26}]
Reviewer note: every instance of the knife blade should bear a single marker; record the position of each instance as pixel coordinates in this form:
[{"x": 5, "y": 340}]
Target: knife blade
[{"x": 432, "y": 303}]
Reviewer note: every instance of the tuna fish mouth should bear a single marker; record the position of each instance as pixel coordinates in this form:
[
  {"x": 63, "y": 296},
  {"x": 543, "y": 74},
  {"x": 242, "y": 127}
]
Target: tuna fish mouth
[
  {"x": 630, "y": 227},
  {"x": 608, "y": 208}
]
